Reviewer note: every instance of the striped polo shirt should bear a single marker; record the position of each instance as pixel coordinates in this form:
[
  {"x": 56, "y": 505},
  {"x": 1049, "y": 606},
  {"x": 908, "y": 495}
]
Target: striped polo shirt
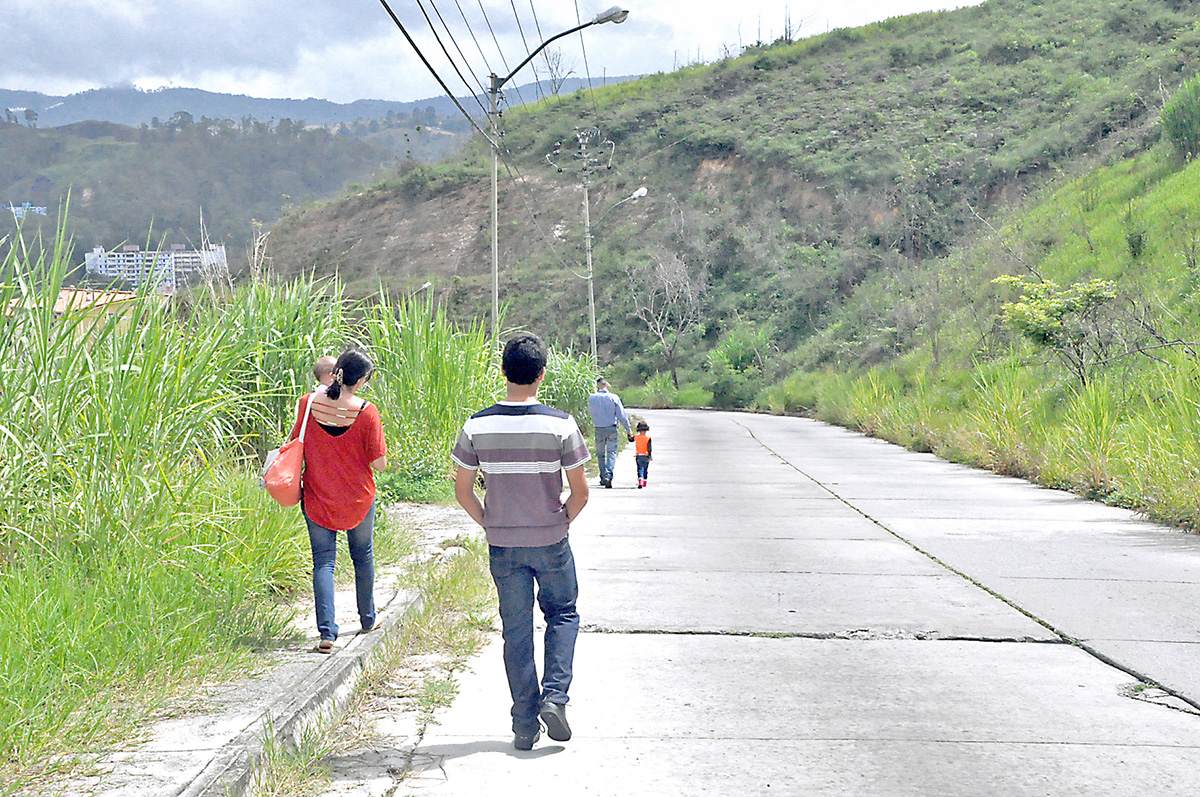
[{"x": 522, "y": 448}]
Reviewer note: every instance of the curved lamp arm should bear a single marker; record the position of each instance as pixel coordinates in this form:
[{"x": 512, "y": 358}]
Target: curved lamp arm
[
  {"x": 638, "y": 194},
  {"x": 615, "y": 14}
]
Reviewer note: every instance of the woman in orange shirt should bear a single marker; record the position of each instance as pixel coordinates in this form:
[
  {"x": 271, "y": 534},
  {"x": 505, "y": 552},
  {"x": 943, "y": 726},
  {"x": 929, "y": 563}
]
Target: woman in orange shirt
[
  {"x": 642, "y": 444},
  {"x": 341, "y": 456}
]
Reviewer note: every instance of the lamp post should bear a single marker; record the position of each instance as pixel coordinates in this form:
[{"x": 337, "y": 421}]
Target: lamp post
[
  {"x": 587, "y": 245},
  {"x": 615, "y": 14}
]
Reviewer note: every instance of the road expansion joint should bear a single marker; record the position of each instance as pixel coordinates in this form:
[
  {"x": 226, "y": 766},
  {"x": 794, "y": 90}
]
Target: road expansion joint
[{"x": 855, "y": 634}]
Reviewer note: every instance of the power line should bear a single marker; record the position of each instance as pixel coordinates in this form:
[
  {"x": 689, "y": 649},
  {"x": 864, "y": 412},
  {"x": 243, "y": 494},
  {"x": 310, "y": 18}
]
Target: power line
[
  {"x": 449, "y": 58},
  {"x": 586, "y": 70},
  {"x": 537, "y": 24},
  {"x": 505, "y": 155},
  {"x": 536, "y": 83},
  {"x": 546, "y": 55},
  {"x": 461, "y": 54},
  {"x": 499, "y": 49},
  {"x": 472, "y": 32},
  {"x": 433, "y": 72}
]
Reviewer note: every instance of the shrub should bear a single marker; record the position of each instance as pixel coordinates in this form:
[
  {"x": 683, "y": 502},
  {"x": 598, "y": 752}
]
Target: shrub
[
  {"x": 736, "y": 366},
  {"x": 1181, "y": 118},
  {"x": 660, "y": 392}
]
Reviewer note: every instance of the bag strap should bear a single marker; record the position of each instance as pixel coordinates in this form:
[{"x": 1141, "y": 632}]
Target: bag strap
[{"x": 307, "y": 410}]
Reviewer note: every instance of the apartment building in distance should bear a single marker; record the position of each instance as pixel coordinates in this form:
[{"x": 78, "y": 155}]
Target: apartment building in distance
[{"x": 166, "y": 269}]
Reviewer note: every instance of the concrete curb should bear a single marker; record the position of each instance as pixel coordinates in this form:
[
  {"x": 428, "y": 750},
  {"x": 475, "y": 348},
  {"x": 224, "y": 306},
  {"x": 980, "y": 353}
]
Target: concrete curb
[{"x": 230, "y": 773}]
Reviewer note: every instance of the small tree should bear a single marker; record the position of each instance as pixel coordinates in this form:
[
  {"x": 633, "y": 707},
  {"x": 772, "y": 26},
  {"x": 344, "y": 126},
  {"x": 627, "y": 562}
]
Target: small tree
[
  {"x": 1180, "y": 118},
  {"x": 668, "y": 297},
  {"x": 559, "y": 70},
  {"x": 1076, "y": 323}
]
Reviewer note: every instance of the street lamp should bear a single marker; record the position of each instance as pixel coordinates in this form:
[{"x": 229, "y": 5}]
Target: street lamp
[
  {"x": 615, "y": 14},
  {"x": 587, "y": 245}
]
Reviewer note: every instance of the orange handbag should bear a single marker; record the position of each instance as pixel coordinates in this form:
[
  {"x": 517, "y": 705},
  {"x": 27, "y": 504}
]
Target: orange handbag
[{"x": 284, "y": 467}]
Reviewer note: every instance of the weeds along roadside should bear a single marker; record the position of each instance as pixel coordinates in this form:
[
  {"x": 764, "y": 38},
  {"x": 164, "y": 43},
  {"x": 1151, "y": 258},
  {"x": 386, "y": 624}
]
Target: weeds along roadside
[
  {"x": 130, "y": 564},
  {"x": 415, "y": 671},
  {"x": 1077, "y": 390},
  {"x": 138, "y": 557},
  {"x": 1130, "y": 440}
]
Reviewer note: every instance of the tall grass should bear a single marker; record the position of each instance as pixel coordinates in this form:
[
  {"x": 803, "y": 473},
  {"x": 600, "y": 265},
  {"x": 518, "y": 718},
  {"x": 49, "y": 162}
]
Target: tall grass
[
  {"x": 137, "y": 554},
  {"x": 431, "y": 376},
  {"x": 570, "y": 378},
  {"x": 1003, "y": 417},
  {"x": 277, "y": 332},
  {"x": 1131, "y": 439},
  {"x": 1161, "y": 444},
  {"x": 134, "y": 552}
]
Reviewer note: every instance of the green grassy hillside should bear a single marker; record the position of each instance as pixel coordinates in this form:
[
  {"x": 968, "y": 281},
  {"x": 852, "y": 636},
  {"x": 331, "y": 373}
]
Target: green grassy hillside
[
  {"x": 782, "y": 184},
  {"x": 1080, "y": 370}
]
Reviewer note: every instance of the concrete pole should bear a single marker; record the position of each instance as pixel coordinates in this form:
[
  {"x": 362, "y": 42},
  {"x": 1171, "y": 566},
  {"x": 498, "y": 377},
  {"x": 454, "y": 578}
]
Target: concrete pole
[
  {"x": 587, "y": 245},
  {"x": 493, "y": 96}
]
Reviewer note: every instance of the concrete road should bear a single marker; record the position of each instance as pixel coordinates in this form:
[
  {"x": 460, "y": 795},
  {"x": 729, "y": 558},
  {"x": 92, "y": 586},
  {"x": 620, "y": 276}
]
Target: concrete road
[{"x": 793, "y": 609}]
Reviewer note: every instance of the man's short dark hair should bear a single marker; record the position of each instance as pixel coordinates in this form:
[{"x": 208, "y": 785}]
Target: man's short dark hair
[{"x": 524, "y": 359}]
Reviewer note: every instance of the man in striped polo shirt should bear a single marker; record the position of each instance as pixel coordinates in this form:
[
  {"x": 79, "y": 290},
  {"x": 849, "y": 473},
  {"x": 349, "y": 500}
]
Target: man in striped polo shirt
[{"x": 523, "y": 448}]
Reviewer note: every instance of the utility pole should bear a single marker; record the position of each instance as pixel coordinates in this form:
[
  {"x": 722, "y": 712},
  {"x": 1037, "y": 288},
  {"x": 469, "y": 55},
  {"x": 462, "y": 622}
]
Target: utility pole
[
  {"x": 616, "y": 15},
  {"x": 587, "y": 244},
  {"x": 590, "y": 157},
  {"x": 494, "y": 116}
]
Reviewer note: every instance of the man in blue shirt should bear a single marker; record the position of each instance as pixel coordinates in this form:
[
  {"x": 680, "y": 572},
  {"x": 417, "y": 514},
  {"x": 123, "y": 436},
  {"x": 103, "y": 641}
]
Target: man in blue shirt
[{"x": 607, "y": 411}]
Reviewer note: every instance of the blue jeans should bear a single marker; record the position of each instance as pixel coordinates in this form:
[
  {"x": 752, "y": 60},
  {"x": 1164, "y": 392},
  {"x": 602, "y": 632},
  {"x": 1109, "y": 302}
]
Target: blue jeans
[
  {"x": 606, "y": 451},
  {"x": 324, "y": 554},
  {"x": 643, "y": 466},
  {"x": 515, "y": 570}
]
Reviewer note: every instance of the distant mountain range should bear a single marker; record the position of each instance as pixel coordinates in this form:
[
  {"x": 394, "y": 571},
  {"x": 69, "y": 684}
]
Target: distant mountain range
[{"x": 134, "y": 107}]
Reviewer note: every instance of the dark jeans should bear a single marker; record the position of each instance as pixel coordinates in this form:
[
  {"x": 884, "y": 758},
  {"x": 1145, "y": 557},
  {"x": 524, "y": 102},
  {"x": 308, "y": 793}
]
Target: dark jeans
[
  {"x": 324, "y": 554},
  {"x": 515, "y": 570},
  {"x": 643, "y": 466}
]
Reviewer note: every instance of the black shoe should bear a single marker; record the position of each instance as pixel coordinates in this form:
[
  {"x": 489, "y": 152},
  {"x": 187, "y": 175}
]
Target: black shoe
[
  {"x": 605, "y": 483},
  {"x": 608, "y": 485},
  {"x": 526, "y": 742},
  {"x": 555, "y": 717}
]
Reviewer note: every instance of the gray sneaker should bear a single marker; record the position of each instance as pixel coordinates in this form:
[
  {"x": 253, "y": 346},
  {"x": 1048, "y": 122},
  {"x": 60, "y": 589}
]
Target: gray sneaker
[
  {"x": 555, "y": 717},
  {"x": 526, "y": 742}
]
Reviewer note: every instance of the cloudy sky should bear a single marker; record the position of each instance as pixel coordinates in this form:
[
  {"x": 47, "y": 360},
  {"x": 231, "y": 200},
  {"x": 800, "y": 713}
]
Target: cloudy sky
[{"x": 343, "y": 50}]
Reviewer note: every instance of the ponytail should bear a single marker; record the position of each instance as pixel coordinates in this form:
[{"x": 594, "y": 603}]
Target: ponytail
[
  {"x": 351, "y": 369},
  {"x": 334, "y": 390}
]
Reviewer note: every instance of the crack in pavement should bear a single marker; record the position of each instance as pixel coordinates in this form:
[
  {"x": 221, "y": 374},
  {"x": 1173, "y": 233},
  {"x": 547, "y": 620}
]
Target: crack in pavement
[
  {"x": 763, "y": 571},
  {"x": 1065, "y": 637},
  {"x": 857, "y": 634},
  {"x": 1149, "y": 694}
]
